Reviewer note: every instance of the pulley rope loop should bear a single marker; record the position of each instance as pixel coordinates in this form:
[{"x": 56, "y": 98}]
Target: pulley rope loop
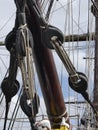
[{"x": 58, "y": 116}]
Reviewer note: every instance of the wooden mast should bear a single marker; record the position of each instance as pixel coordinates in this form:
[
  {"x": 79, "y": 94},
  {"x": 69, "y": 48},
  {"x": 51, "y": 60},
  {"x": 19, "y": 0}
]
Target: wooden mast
[{"x": 47, "y": 74}]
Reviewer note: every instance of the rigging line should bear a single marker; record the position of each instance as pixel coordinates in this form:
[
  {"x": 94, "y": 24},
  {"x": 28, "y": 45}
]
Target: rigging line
[
  {"x": 75, "y": 94},
  {"x": 72, "y": 18},
  {"x": 94, "y": 5},
  {"x": 34, "y": 77},
  {"x": 88, "y": 17},
  {"x": 49, "y": 10},
  {"x": 78, "y": 47},
  {"x": 43, "y": 2},
  {"x": 3, "y": 62},
  {"x": 65, "y": 26},
  {"x": 68, "y": 12},
  {"x": 78, "y": 26},
  {"x": 44, "y": 5},
  {"x": 41, "y": 110},
  {"x": 15, "y": 109},
  {"x": 72, "y": 27},
  {"x": 61, "y": 74},
  {"x": 3, "y": 54},
  {"x": 51, "y": 14},
  {"x": 89, "y": 51},
  {"x": 6, "y": 73},
  {"x": 21, "y": 125},
  {"x": 3, "y": 37},
  {"x": 1, "y": 96},
  {"x": 62, "y": 6},
  {"x": 7, "y": 21},
  {"x": 2, "y": 113},
  {"x": 78, "y": 34},
  {"x": 15, "y": 117}
]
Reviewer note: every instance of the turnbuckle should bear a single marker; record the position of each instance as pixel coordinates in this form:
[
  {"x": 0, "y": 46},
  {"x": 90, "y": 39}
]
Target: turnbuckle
[{"x": 57, "y": 45}]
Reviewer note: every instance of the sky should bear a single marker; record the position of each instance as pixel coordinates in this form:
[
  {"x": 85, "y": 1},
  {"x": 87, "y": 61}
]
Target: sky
[
  {"x": 57, "y": 17},
  {"x": 7, "y": 16},
  {"x": 61, "y": 19}
]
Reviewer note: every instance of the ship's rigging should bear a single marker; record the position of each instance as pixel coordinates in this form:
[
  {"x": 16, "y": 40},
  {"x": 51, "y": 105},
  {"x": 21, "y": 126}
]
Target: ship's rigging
[{"x": 71, "y": 46}]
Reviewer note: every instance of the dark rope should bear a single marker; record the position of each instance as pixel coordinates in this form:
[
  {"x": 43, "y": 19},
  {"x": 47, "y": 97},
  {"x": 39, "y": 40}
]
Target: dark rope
[
  {"x": 6, "y": 112},
  {"x": 86, "y": 97},
  {"x": 20, "y": 4},
  {"x": 1, "y": 97},
  {"x": 15, "y": 110},
  {"x": 94, "y": 4},
  {"x": 49, "y": 10}
]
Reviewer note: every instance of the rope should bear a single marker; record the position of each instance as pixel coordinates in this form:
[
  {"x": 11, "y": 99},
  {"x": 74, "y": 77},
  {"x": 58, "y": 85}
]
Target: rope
[
  {"x": 15, "y": 110},
  {"x": 27, "y": 73},
  {"x": 49, "y": 10},
  {"x": 6, "y": 113},
  {"x": 21, "y": 27},
  {"x": 4, "y": 25},
  {"x": 59, "y": 116},
  {"x": 44, "y": 5},
  {"x": 1, "y": 97},
  {"x": 15, "y": 117},
  {"x": 94, "y": 5},
  {"x": 51, "y": 13}
]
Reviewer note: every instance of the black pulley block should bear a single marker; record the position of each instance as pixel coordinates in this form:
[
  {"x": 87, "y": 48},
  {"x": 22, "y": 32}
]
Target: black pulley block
[
  {"x": 27, "y": 109},
  {"x": 81, "y": 85},
  {"x": 9, "y": 88},
  {"x": 10, "y": 40},
  {"x": 47, "y": 34}
]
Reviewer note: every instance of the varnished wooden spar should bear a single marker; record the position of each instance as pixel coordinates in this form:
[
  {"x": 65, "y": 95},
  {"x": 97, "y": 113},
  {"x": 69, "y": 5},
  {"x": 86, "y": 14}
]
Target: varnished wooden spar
[
  {"x": 80, "y": 37},
  {"x": 47, "y": 74},
  {"x": 2, "y": 44}
]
